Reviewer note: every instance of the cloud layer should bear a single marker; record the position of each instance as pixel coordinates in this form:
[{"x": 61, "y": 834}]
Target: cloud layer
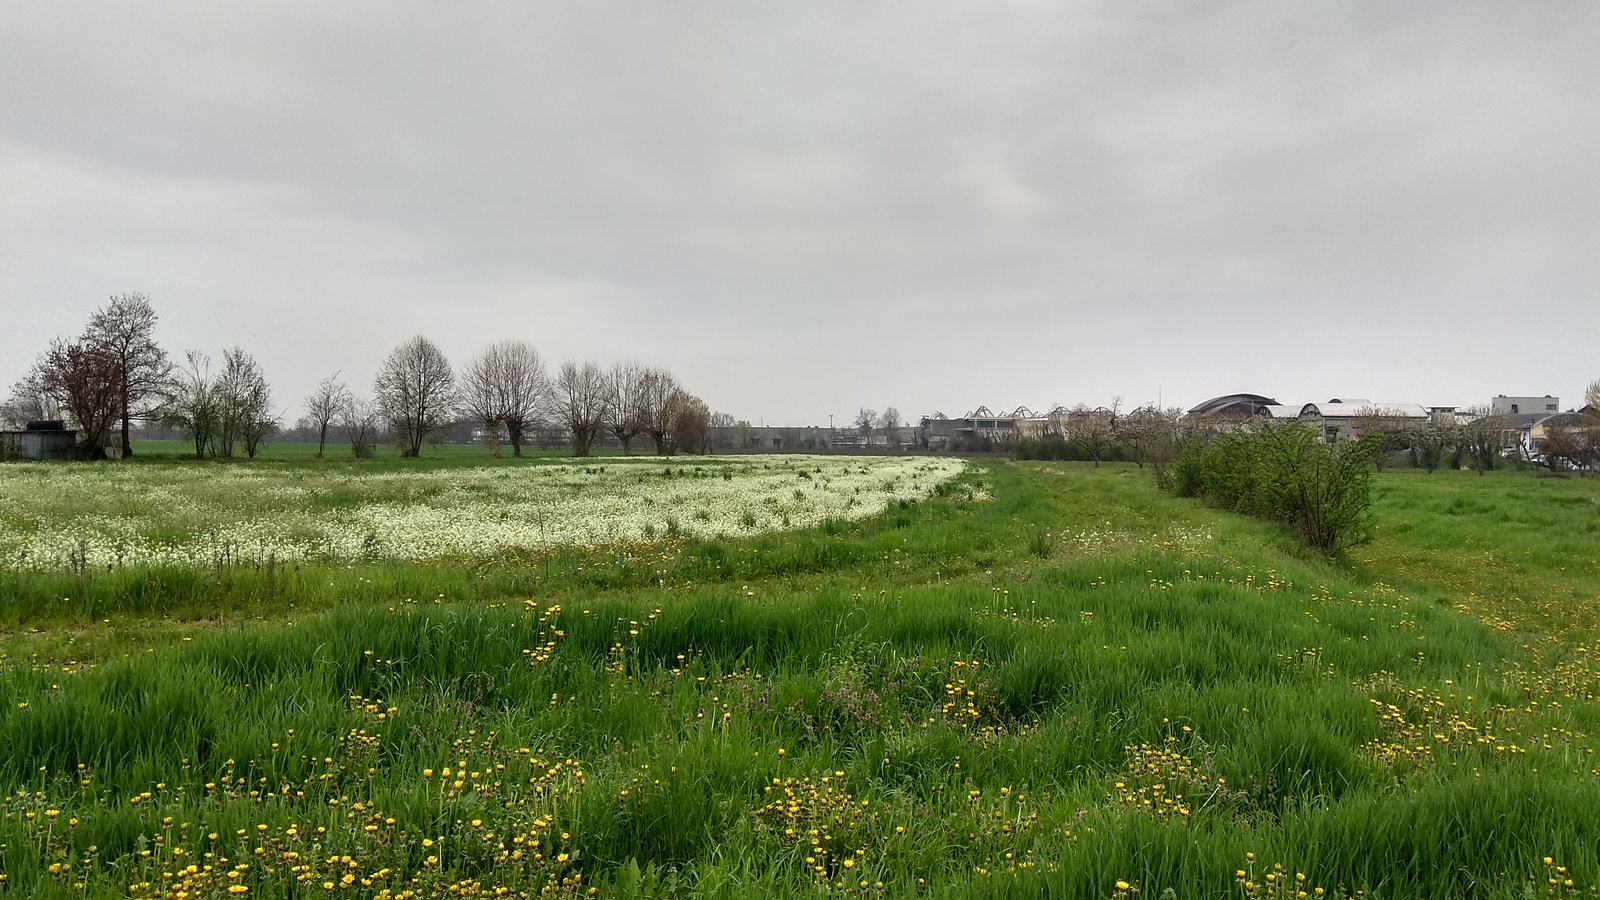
[{"x": 808, "y": 208}]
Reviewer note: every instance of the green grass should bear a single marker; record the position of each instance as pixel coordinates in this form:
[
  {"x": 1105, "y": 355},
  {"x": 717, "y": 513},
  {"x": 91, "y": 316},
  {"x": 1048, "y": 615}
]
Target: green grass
[{"x": 994, "y": 680}]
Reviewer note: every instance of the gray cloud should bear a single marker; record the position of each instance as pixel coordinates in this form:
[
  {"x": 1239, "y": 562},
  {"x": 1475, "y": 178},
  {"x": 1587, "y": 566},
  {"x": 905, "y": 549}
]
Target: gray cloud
[{"x": 814, "y": 207}]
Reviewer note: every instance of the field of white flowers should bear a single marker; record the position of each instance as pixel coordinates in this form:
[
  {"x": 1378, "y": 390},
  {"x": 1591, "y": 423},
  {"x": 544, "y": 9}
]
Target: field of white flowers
[{"x": 56, "y": 517}]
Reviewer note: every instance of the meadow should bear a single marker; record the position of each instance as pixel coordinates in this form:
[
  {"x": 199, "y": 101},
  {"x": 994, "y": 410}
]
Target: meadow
[
  {"x": 99, "y": 517},
  {"x": 1028, "y": 679}
]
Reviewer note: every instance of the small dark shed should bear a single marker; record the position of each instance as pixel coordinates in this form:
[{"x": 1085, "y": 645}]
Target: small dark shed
[{"x": 48, "y": 440}]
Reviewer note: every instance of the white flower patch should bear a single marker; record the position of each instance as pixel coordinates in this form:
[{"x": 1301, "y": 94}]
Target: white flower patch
[{"x": 199, "y": 515}]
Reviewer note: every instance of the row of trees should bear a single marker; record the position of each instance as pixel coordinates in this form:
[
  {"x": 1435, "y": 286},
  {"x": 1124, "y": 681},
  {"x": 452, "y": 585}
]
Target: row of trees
[
  {"x": 115, "y": 373},
  {"x": 1479, "y": 438},
  {"x": 505, "y": 391},
  {"x": 110, "y": 375},
  {"x": 1149, "y": 435},
  {"x": 1482, "y": 439}
]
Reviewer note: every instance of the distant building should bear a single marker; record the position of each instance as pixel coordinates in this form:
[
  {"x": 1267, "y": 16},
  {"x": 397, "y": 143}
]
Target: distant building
[
  {"x": 1237, "y": 407},
  {"x": 1525, "y": 406},
  {"x": 980, "y": 428},
  {"x": 40, "y": 441},
  {"x": 1340, "y": 418},
  {"x": 1343, "y": 419}
]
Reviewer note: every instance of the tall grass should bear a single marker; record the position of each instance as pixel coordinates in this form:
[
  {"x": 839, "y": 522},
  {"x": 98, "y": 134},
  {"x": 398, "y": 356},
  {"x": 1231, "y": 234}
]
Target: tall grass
[{"x": 983, "y": 674}]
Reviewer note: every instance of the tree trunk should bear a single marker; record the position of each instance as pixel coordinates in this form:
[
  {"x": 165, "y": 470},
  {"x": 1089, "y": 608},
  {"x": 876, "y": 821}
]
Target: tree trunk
[
  {"x": 127, "y": 448},
  {"x": 322, "y": 439}
]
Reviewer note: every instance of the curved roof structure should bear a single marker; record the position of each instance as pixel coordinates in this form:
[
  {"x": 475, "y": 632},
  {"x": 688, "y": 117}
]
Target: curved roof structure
[
  {"x": 1350, "y": 408},
  {"x": 1246, "y": 405}
]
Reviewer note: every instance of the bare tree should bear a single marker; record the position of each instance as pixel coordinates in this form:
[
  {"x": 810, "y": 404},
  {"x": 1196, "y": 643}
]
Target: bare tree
[
  {"x": 890, "y": 422},
  {"x": 1386, "y": 431},
  {"x": 660, "y": 405},
  {"x": 1092, "y": 431},
  {"x": 866, "y": 420},
  {"x": 1591, "y": 399},
  {"x": 359, "y": 420},
  {"x": 1485, "y": 436},
  {"x": 324, "y": 406},
  {"x": 481, "y": 397},
  {"x": 86, "y": 381},
  {"x": 580, "y": 403},
  {"x": 721, "y": 426},
  {"x": 1576, "y": 445},
  {"x": 1433, "y": 440},
  {"x": 124, "y": 328},
  {"x": 191, "y": 403},
  {"x": 29, "y": 402},
  {"x": 415, "y": 391},
  {"x": 692, "y": 431},
  {"x": 524, "y": 389},
  {"x": 244, "y": 404},
  {"x": 505, "y": 387},
  {"x": 1151, "y": 435},
  {"x": 625, "y": 401}
]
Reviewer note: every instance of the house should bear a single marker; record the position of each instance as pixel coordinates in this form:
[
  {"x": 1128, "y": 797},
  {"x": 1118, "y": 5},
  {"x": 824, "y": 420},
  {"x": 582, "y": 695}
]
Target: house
[
  {"x": 46, "y": 440},
  {"x": 1525, "y": 406}
]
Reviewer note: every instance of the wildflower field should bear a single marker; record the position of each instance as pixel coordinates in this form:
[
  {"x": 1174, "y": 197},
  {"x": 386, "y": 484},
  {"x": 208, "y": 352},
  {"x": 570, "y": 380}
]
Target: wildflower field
[
  {"x": 57, "y": 517},
  {"x": 993, "y": 679}
]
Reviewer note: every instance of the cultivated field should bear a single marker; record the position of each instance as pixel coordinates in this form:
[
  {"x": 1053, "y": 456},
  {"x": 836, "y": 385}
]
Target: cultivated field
[{"x": 1003, "y": 679}]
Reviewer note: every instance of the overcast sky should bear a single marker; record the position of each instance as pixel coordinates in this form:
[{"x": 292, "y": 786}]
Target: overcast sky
[{"x": 805, "y": 208}]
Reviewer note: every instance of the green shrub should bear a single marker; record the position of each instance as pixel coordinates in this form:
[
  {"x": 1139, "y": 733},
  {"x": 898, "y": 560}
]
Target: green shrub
[{"x": 1322, "y": 493}]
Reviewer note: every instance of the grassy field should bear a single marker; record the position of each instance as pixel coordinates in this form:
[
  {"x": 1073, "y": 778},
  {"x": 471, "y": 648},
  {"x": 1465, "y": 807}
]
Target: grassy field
[
  {"x": 1054, "y": 680},
  {"x": 335, "y": 451},
  {"x": 120, "y": 517}
]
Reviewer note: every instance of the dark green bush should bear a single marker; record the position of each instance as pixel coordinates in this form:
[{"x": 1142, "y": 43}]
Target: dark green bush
[{"x": 1322, "y": 493}]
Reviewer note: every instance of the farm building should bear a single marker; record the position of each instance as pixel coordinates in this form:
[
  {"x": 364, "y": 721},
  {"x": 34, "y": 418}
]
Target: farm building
[{"x": 48, "y": 440}]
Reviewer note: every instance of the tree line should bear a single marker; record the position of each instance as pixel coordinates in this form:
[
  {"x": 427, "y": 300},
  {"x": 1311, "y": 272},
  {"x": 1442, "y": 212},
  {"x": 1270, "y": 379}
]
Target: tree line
[
  {"x": 1479, "y": 438},
  {"x": 115, "y": 373}
]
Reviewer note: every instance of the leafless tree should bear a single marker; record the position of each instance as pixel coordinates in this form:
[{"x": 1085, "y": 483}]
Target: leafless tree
[
  {"x": 481, "y": 397},
  {"x": 722, "y": 426},
  {"x": 1576, "y": 445},
  {"x": 86, "y": 381},
  {"x": 191, "y": 403},
  {"x": 660, "y": 407},
  {"x": 359, "y": 418},
  {"x": 580, "y": 403},
  {"x": 124, "y": 328},
  {"x": 866, "y": 421},
  {"x": 1591, "y": 400},
  {"x": 692, "y": 431},
  {"x": 1386, "y": 432},
  {"x": 1092, "y": 431},
  {"x": 1151, "y": 435},
  {"x": 625, "y": 401},
  {"x": 505, "y": 386},
  {"x": 29, "y": 402},
  {"x": 1485, "y": 436},
  {"x": 415, "y": 391},
  {"x": 890, "y": 422},
  {"x": 1433, "y": 440},
  {"x": 244, "y": 404},
  {"x": 323, "y": 407},
  {"x": 524, "y": 389}
]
